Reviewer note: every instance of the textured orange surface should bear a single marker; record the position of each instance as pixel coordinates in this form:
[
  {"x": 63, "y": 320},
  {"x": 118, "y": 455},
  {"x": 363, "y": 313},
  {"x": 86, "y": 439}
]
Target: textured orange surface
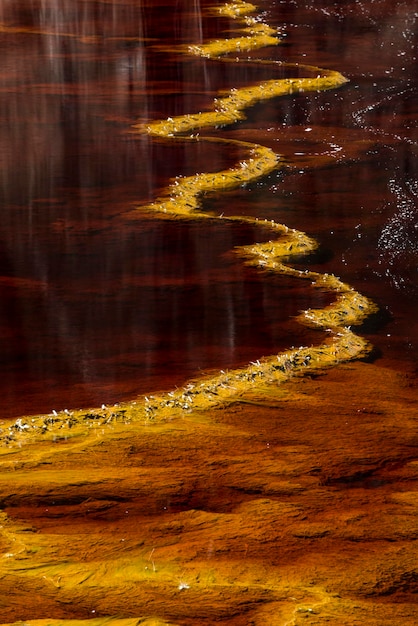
[
  {"x": 267, "y": 503},
  {"x": 292, "y": 504}
]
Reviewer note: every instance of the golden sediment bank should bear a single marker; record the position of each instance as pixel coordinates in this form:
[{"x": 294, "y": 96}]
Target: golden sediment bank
[
  {"x": 262, "y": 495},
  {"x": 295, "y": 503}
]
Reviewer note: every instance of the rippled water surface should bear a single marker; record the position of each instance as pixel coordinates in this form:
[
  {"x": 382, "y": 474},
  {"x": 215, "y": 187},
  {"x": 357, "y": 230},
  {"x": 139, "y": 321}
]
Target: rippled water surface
[{"x": 96, "y": 307}]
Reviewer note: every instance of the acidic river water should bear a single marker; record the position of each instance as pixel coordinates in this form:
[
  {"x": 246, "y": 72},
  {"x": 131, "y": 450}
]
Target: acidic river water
[{"x": 97, "y": 308}]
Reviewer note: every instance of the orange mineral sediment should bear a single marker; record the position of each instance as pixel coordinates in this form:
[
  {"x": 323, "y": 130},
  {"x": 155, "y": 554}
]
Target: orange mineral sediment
[{"x": 236, "y": 499}]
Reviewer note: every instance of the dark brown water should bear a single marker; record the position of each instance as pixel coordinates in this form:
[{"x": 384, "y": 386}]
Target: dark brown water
[
  {"x": 293, "y": 504},
  {"x": 95, "y": 308}
]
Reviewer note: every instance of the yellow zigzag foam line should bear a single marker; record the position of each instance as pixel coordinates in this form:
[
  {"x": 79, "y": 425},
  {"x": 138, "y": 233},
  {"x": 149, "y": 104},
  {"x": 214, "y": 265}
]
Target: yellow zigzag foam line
[
  {"x": 257, "y": 34},
  {"x": 182, "y": 200}
]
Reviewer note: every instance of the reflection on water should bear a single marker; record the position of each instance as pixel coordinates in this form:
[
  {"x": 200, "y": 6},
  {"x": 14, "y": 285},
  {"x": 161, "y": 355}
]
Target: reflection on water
[{"x": 94, "y": 309}]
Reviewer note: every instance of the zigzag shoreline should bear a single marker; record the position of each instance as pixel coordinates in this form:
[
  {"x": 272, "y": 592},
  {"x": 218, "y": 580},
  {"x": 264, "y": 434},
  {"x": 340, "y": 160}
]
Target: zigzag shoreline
[{"x": 182, "y": 200}]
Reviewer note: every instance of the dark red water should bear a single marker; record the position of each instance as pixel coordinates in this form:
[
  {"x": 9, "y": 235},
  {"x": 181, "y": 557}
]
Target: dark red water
[{"x": 97, "y": 308}]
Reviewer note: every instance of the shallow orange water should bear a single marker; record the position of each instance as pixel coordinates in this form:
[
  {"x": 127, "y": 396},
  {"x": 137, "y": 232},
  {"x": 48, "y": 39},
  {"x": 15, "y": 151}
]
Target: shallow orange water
[{"x": 295, "y": 503}]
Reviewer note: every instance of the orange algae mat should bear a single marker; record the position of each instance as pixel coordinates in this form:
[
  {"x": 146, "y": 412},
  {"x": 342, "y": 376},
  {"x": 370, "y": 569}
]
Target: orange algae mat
[
  {"x": 283, "y": 506},
  {"x": 234, "y": 499}
]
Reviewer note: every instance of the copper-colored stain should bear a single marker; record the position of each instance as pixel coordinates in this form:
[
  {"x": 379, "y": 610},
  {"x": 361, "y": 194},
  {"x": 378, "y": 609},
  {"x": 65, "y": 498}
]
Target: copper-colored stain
[{"x": 283, "y": 504}]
